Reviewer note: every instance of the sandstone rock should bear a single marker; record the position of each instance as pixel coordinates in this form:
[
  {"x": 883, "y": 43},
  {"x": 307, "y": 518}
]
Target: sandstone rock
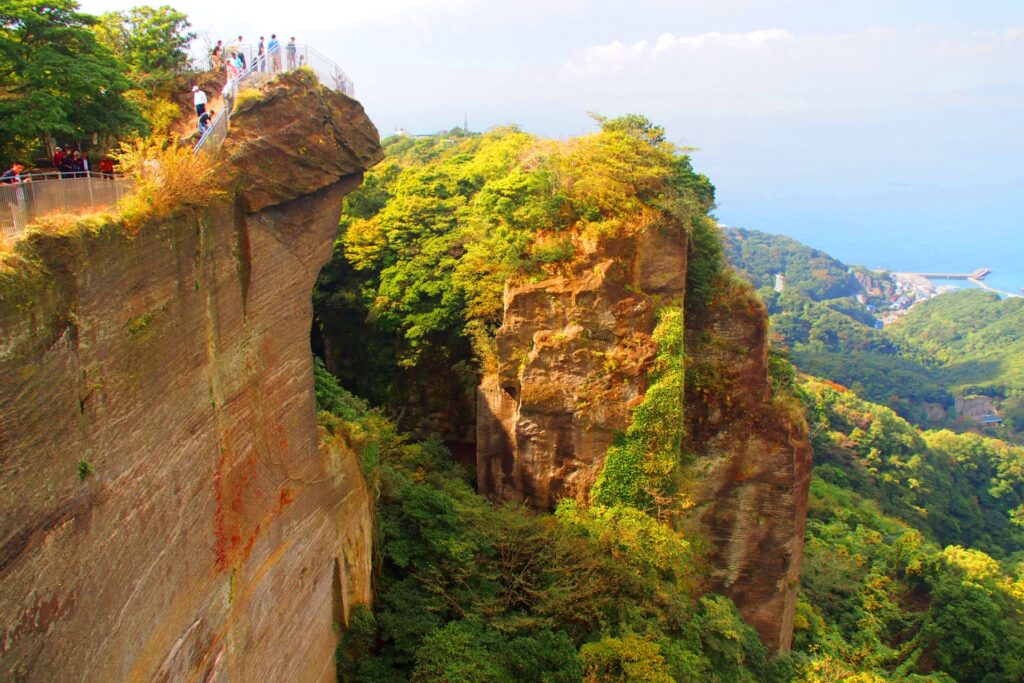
[
  {"x": 753, "y": 464},
  {"x": 573, "y": 354},
  {"x": 295, "y": 138},
  {"x": 167, "y": 511}
]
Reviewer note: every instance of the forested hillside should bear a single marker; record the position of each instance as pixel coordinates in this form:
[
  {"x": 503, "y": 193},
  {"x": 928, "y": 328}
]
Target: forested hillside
[
  {"x": 889, "y": 589},
  {"x": 913, "y": 557},
  {"x": 960, "y": 343}
]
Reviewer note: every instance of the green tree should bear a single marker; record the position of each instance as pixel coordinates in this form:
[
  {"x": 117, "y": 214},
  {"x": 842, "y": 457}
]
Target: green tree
[
  {"x": 56, "y": 78},
  {"x": 152, "y": 41}
]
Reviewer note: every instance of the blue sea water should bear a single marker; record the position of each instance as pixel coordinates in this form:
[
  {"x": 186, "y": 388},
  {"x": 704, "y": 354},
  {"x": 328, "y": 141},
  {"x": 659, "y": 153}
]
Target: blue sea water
[{"x": 876, "y": 240}]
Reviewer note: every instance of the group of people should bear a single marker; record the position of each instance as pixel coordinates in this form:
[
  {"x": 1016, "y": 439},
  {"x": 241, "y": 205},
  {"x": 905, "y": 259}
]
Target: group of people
[
  {"x": 205, "y": 117},
  {"x": 266, "y": 57},
  {"x": 231, "y": 60},
  {"x": 71, "y": 163}
]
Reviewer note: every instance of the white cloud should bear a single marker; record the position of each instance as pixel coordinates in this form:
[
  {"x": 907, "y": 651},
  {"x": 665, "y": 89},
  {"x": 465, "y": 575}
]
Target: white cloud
[
  {"x": 607, "y": 59},
  {"x": 612, "y": 58},
  {"x": 736, "y": 41}
]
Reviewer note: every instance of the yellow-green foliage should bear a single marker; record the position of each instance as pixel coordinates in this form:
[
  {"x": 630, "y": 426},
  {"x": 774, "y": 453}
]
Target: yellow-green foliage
[
  {"x": 167, "y": 178},
  {"x": 247, "y": 97},
  {"x": 630, "y": 658},
  {"x": 160, "y": 112},
  {"x": 439, "y": 229},
  {"x": 653, "y": 550},
  {"x": 642, "y": 465}
]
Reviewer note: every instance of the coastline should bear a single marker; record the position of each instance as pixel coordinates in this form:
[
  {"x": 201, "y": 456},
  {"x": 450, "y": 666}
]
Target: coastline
[
  {"x": 913, "y": 288},
  {"x": 981, "y": 283}
]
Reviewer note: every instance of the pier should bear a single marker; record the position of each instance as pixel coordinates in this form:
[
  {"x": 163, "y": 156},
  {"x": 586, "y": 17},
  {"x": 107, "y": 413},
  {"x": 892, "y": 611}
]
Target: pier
[{"x": 979, "y": 274}]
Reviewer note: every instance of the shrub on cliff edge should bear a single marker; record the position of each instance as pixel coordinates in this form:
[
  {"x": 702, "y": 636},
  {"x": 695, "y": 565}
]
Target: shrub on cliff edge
[{"x": 167, "y": 177}]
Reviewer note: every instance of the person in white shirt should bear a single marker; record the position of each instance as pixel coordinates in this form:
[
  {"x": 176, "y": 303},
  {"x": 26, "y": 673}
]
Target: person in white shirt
[
  {"x": 199, "y": 98},
  {"x": 228, "y": 93}
]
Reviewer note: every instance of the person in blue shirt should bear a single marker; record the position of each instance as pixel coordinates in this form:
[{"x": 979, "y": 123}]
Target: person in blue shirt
[{"x": 274, "y": 50}]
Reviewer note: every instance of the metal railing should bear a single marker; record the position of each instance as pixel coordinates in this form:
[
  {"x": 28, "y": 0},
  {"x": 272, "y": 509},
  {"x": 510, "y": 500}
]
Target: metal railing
[
  {"x": 258, "y": 71},
  {"x": 47, "y": 194}
]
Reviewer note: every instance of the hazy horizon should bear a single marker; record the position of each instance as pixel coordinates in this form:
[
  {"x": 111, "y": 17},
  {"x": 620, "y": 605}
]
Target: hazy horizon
[{"x": 810, "y": 119}]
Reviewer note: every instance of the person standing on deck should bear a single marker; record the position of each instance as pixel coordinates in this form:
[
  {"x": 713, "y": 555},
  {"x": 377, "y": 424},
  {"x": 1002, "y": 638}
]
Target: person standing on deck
[
  {"x": 58, "y": 156},
  {"x": 199, "y": 98},
  {"x": 241, "y": 52},
  {"x": 79, "y": 166},
  {"x": 107, "y": 167},
  {"x": 274, "y": 49},
  {"x": 217, "y": 56},
  {"x": 290, "y": 51},
  {"x": 231, "y": 66},
  {"x": 261, "y": 55},
  {"x": 12, "y": 176}
]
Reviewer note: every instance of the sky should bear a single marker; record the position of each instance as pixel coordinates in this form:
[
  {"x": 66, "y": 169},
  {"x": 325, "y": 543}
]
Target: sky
[{"x": 811, "y": 117}]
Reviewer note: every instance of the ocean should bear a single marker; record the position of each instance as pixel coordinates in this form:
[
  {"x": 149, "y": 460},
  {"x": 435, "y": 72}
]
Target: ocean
[{"x": 994, "y": 244}]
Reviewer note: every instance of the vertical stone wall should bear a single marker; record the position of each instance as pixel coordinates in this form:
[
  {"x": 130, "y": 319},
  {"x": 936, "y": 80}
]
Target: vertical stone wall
[{"x": 167, "y": 510}]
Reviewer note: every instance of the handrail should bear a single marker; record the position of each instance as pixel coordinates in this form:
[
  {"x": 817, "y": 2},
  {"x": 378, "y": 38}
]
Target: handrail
[
  {"x": 46, "y": 194},
  {"x": 258, "y": 70}
]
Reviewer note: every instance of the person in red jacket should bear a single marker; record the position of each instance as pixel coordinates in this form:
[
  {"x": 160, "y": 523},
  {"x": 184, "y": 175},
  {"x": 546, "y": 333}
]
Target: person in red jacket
[
  {"x": 58, "y": 156},
  {"x": 107, "y": 167}
]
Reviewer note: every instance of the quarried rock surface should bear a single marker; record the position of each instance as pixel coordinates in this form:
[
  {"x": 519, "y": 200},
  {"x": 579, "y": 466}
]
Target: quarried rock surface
[
  {"x": 753, "y": 464},
  {"x": 167, "y": 509}
]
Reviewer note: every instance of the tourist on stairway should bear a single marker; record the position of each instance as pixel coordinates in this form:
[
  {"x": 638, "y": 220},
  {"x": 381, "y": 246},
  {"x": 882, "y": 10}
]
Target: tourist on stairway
[
  {"x": 274, "y": 49},
  {"x": 199, "y": 98}
]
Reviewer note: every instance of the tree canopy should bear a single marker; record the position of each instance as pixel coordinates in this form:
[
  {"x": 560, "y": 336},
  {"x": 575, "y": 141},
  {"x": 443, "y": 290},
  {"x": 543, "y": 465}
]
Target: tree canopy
[
  {"x": 152, "y": 41},
  {"x": 57, "y": 78}
]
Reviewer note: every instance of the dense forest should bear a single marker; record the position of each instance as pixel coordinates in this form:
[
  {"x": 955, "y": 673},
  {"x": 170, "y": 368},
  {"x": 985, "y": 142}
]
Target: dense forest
[{"x": 914, "y": 555}]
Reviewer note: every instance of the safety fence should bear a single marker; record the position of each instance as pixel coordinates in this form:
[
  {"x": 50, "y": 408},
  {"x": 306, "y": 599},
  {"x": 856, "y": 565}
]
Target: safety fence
[
  {"x": 258, "y": 70},
  {"x": 47, "y": 194}
]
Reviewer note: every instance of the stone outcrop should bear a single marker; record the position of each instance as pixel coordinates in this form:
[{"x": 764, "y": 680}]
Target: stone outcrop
[
  {"x": 573, "y": 355},
  {"x": 753, "y": 464},
  {"x": 167, "y": 510}
]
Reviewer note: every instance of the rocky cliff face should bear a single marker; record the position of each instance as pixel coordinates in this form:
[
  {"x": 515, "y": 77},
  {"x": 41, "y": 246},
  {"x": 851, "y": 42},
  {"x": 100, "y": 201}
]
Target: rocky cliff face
[
  {"x": 167, "y": 511},
  {"x": 753, "y": 464},
  {"x": 573, "y": 356}
]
